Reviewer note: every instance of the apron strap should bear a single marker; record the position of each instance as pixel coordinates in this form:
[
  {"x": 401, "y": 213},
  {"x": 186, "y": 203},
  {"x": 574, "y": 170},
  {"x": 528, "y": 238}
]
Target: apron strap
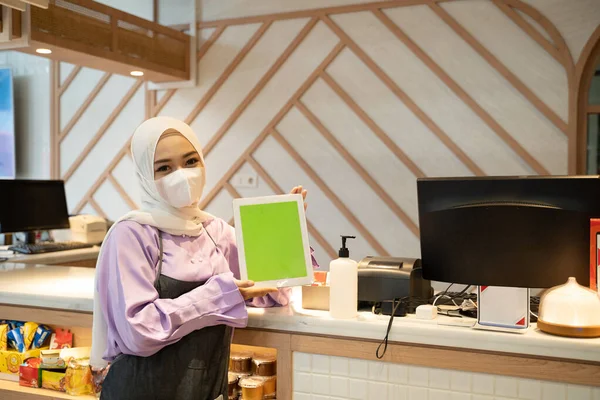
[{"x": 160, "y": 258}]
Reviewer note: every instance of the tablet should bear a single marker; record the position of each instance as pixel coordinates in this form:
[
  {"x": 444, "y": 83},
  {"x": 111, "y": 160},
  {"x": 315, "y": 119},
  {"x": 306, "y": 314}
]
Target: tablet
[{"x": 272, "y": 240}]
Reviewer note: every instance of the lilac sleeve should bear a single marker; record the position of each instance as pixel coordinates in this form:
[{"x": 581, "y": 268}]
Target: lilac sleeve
[
  {"x": 280, "y": 298},
  {"x": 141, "y": 322}
]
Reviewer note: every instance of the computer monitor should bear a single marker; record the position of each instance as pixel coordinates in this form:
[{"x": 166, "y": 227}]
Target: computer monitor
[
  {"x": 32, "y": 205},
  {"x": 507, "y": 231}
]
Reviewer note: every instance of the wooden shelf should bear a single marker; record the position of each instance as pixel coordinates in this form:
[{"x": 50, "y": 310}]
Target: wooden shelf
[
  {"x": 12, "y": 391},
  {"x": 91, "y": 34}
]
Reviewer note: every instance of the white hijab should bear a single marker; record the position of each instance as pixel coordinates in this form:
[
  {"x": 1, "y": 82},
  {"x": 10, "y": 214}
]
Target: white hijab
[{"x": 154, "y": 210}]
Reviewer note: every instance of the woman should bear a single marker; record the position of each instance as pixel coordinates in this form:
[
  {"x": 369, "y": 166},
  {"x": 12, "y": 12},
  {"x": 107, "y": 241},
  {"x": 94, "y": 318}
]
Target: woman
[{"x": 167, "y": 296}]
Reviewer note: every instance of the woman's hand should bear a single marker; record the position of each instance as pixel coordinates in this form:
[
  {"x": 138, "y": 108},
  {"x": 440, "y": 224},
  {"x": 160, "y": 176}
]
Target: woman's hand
[
  {"x": 248, "y": 291},
  {"x": 300, "y": 190}
]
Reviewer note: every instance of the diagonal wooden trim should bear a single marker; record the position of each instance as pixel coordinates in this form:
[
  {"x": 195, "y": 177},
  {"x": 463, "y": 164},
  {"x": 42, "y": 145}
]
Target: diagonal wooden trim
[
  {"x": 444, "y": 77},
  {"x": 163, "y": 100},
  {"x": 276, "y": 119},
  {"x": 111, "y": 118},
  {"x": 84, "y": 106},
  {"x": 227, "y": 72},
  {"x": 97, "y": 208},
  {"x": 330, "y": 194},
  {"x": 557, "y": 39},
  {"x": 210, "y": 41},
  {"x": 231, "y": 190},
  {"x": 356, "y": 166},
  {"x": 103, "y": 176},
  {"x": 68, "y": 80},
  {"x": 404, "y": 98},
  {"x": 530, "y": 30},
  {"x": 278, "y": 190},
  {"x": 318, "y": 12},
  {"x": 54, "y": 119},
  {"x": 259, "y": 86},
  {"x": 367, "y": 120},
  {"x": 122, "y": 192},
  {"x": 501, "y": 68}
]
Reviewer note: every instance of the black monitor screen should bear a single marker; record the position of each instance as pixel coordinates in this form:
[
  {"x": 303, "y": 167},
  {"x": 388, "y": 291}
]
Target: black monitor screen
[
  {"x": 28, "y": 205},
  {"x": 515, "y": 231}
]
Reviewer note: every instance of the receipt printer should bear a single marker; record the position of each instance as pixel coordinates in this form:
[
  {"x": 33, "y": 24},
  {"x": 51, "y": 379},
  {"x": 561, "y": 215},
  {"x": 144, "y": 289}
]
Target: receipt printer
[
  {"x": 88, "y": 228},
  {"x": 385, "y": 280}
]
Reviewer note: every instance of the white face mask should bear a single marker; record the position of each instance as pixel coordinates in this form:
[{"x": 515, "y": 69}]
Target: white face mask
[{"x": 182, "y": 188}]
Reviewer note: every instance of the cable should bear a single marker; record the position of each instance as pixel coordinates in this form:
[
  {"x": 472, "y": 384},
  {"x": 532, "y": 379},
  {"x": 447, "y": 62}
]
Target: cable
[{"x": 384, "y": 342}]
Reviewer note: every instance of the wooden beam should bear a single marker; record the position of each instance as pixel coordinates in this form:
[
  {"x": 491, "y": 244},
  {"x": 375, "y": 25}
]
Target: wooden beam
[
  {"x": 107, "y": 123},
  {"x": 16, "y": 23},
  {"x": 403, "y": 97},
  {"x": 360, "y": 170},
  {"x": 155, "y": 15},
  {"x": 319, "y": 12},
  {"x": 231, "y": 190},
  {"x": 448, "y": 81},
  {"x": 210, "y": 41},
  {"x": 227, "y": 72},
  {"x": 501, "y": 68},
  {"x": 84, "y": 106},
  {"x": 14, "y": 4},
  {"x": 37, "y": 3},
  {"x": 557, "y": 39},
  {"x": 593, "y": 109},
  {"x": 259, "y": 86},
  {"x": 330, "y": 194},
  {"x": 274, "y": 121},
  {"x": 278, "y": 190},
  {"x": 54, "y": 119},
  {"x": 163, "y": 101},
  {"x": 92, "y": 190},
  {"x": 97, "y": 208},
  {"x": 69, "y": 79},
  {"x": 530, "y": 30},
  {"x": 122, "y": 192}
]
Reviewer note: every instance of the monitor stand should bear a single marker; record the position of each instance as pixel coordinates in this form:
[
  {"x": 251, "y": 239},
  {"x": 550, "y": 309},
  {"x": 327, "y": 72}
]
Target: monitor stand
[
  {"x": 30, "y": 237},
  {"x": 502, "y": 308}
]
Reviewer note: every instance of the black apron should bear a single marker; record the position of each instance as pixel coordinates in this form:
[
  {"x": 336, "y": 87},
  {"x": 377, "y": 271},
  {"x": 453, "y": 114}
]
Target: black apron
[{"x": 194, "y": 368}]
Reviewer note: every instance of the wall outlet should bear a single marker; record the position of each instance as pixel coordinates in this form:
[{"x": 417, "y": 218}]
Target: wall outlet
[{"x": 245, "y": 181}]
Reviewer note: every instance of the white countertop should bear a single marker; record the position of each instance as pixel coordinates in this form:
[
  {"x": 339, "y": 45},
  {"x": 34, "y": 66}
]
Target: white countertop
[
  {"x": 54, "y": 257},
  {"x": 71, "y": 288}
]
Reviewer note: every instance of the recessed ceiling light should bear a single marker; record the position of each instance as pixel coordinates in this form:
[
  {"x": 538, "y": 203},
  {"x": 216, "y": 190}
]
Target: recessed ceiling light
[
  {"x": 136, "y": 73},
  {"x": 43, "y": 51}
]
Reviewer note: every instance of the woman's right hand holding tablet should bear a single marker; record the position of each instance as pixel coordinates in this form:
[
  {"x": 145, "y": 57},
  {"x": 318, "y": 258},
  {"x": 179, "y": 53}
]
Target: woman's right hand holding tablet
[{"x": 248, "y": 290}]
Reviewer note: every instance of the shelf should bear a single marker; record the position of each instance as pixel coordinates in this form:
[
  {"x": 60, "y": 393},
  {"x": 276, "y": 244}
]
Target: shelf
[{"x": 12, "y": 391}]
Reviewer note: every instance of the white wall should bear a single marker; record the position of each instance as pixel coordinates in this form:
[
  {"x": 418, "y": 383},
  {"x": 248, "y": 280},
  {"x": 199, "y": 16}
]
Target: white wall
[
  {"x": 443, "y": 107},
  {"x": 31, "y": 77}
]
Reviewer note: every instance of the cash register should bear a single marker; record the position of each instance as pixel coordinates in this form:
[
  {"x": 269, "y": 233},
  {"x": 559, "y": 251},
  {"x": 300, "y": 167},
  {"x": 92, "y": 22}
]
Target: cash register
[{"x": 30, "y": 206}]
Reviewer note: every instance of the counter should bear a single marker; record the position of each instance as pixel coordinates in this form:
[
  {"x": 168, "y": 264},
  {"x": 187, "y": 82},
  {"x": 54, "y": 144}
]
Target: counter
[
  {"x": 80, "y": 257},
  {"x": 64, "y": 296}
]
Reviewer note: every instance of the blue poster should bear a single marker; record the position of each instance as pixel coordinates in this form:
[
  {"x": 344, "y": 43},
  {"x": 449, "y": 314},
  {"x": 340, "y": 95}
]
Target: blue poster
[{"x": 7, "y": 125}]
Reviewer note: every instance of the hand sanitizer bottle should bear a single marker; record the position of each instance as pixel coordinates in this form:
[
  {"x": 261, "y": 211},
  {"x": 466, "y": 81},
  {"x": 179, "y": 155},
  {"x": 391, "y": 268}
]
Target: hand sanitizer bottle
[{"x": 343, "y": 291}]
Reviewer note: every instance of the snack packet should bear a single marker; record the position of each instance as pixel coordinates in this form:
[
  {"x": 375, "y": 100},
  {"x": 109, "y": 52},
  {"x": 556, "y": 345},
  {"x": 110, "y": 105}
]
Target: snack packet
[
  {"x": 15, "y": 339},
  {"x": 3, "y": 337},
  {"x": 30, "y": 373},
  {"x": 29, "y": 329},
  {"x": 61, "y": 339},
  {"x": 42, "y": 333},
  {"x": 53, "y": 380},
  {"x": 78, "y": 380},
  {"x": 14, "y": 324}
]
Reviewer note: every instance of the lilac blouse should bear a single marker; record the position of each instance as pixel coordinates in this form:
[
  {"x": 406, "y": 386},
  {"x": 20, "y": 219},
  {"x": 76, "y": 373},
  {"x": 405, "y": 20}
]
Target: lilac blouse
[{"x": 139, "y": 323}]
